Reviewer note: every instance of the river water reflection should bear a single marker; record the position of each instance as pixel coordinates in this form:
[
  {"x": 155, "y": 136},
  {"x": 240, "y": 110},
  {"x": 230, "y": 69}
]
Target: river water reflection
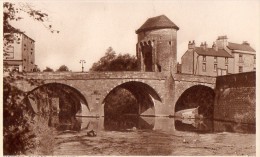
[
  {"x": 131, "y": 122},
  {"x": 134, "y": 135}
]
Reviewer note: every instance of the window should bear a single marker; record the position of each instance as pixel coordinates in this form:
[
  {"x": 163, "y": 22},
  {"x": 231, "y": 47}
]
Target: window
[
  {"x": 240, "y": 69},
  {"x": 204, "y": 67},
  {"x": 204, "y": 58},
  {"x": 254, "y": 69},
  {"x": 226, "y": 60},
  {"x": 215, "y": 67},
  {"x": 226, "y": 66},
  {"x": 240, "y": 58},
  {"x": 215, "y": 59},
  {"x": 254, "y": 59}
]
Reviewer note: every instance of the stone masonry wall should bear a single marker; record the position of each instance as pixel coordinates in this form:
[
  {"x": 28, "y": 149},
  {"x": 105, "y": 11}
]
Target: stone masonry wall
[
  {"x": 95, "y": 86},
  {"x": 235, "y": 98}
]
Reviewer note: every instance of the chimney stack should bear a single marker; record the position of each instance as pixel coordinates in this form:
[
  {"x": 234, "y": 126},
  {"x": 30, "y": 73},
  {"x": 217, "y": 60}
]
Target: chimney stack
[
  {"x": 214, "y": 46},
  {"x": 245, "y": 43},
  {"x": 221, "y": 42},
  {"x": 205, "y": 45},
  {"x": 201, "y": 45},
  {"x": 191, "y": 45}
]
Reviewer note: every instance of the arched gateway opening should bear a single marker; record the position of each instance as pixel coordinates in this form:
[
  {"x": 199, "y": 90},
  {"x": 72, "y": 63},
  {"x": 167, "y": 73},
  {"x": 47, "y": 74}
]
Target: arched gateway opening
[
  {"x": 59, "y": 102},
  {"x": 125, "y": 103},
  {"x": 199, "y": 96}
]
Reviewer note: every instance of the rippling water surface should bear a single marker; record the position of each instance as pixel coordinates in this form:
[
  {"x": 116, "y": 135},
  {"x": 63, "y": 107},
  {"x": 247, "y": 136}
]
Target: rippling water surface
[{"x": 133, "y": 135}]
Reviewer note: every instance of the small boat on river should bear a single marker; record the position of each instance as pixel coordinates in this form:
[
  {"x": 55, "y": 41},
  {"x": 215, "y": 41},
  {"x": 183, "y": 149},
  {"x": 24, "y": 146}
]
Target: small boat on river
[{"x": 191, "y": 113}]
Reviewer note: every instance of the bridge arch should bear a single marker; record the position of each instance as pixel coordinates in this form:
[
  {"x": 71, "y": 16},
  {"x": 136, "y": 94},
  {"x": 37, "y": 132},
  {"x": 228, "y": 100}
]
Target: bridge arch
[
  {"x": 144, "y": 94},
  {"x": 50, "y": 92},
  {"x": 201, "y": 96}
]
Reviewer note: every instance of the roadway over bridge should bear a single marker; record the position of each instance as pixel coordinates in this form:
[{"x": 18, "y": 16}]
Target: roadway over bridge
[{"x": 157, "y": 93}]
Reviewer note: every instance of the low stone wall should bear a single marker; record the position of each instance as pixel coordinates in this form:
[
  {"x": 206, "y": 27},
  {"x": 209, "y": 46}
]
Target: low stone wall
[
  {"x": 97, "y": 75},
  {"x": 235, "y": 98}
]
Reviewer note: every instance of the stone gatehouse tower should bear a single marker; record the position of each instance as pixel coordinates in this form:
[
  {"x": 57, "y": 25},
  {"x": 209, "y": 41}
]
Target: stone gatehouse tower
[{"x": 156, "y": 49}]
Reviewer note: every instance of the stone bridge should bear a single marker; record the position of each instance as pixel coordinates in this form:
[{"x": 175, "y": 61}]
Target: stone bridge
[{"x": 161, "y": 90}]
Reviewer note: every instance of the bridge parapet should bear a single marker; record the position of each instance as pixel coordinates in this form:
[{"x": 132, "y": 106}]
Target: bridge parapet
[
  {"x": 96, "y": 75},
  {"x": 194, "y": 78}
]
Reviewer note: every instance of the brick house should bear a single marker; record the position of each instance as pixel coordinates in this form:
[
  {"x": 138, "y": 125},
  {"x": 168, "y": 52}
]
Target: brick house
[{"x": 220, "y": 59}]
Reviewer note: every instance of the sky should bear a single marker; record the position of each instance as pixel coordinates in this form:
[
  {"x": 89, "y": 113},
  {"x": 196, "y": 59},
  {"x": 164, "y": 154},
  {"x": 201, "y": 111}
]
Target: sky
[{"x": 88, "y": 28}]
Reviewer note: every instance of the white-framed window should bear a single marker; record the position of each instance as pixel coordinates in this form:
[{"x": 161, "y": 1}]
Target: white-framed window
[
  {"x": 204, "y": 58},
  {"x": 240, "y": 58},
  {"x": 226, "y": 60},
  {"x": 215, "y": 67},
  {"x": 215, "y": 59},
  {"x": 226, "y": 67},
  {"x": 203, "y": 66}
]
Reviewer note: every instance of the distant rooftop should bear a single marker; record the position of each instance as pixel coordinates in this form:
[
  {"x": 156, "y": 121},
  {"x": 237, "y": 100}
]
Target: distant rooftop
[
  {"x": 242, "y": 47},
  {"x": 212, "y": 52},
  {"x": 157, "y": 22}
]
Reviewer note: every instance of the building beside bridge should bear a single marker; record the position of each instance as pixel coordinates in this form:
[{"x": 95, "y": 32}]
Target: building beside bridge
[
  {"x": 19, "y": 52},
  {"x": 156, "y": 49},
  {"x": 158, "y": 88},
  {"x": 221, "y": 58}
]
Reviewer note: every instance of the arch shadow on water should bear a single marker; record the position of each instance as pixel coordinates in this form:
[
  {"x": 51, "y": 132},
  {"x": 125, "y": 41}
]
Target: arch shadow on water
[
  {"x": 197, "y": 96},
  {"x": 125, "y": 103},
  {"x": 203, "y": 97},
  {"x": 59, "y": 102}
]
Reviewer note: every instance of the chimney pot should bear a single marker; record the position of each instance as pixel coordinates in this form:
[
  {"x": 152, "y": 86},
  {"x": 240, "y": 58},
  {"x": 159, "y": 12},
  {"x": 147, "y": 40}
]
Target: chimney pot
[
  {"x": 245, "y": 43},
  {"x": 191, "y": 45}
]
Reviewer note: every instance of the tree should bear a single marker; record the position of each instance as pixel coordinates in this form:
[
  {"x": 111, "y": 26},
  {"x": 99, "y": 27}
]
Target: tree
[
  {"x": 48, "y": 69},
  {"x": 113, "y": 62},
  {"x": 115, "y": 105},
  {"x": 18, "y": 134},
  {"x": 62, "y": 68},
  {"x": 12, "y": 12}
]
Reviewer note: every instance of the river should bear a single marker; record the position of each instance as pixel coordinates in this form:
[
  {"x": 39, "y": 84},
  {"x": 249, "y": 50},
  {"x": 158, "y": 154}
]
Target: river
[{"x": 133, "y": 135}]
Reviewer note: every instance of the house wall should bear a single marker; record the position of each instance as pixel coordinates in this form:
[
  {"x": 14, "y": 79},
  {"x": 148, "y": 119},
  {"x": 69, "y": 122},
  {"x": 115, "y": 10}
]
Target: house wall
[
  {"x": 247, "y": 62},
  {"x": 221, "y": 65},
  {"x": 23, "y": 55},
  {"x": 28, "y": 55},
  {"x": 14, "y": 47},
  {"x": 187, "y": 62}
]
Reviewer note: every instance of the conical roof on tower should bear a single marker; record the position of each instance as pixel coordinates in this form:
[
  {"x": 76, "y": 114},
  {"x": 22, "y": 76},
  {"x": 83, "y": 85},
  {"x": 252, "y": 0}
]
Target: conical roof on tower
[{"x": 157, "y": 22}]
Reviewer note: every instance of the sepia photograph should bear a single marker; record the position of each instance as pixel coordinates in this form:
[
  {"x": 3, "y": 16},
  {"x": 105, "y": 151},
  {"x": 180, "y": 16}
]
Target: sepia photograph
[{"x": 130, "y": 78}]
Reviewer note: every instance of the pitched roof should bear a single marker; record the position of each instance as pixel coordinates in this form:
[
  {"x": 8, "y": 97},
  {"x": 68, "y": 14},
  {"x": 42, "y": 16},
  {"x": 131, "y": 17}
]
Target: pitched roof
[
  {"x": 242, "y": 47},
  {"x": 212, "y": 52},
  {"x": 157, "y": 22}
]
